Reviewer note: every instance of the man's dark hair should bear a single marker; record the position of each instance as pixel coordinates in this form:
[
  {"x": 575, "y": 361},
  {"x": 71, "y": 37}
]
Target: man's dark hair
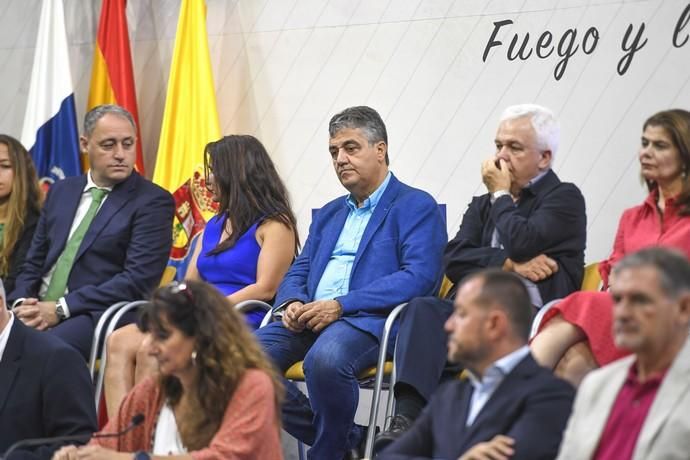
[
  {"x": 360, "y": 117},
  {"x": 508, "y": 292}
]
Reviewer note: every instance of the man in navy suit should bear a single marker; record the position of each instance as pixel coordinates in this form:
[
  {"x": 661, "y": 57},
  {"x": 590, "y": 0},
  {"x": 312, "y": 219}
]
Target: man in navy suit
[
  {"x": 508, "y": 407},
  {"x": 45, "y": 388},
  {"x": 529, "y": 223},
  {"x": 125, "y": 246},
  {"x": 366, "y": 252}
]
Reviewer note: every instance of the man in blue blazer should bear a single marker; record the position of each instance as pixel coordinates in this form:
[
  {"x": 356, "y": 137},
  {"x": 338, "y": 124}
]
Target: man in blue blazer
[
  {"x": 507, "y": 406},
  {"x": 123, "y": 251},
  {"x": 366, "y": 252},
  {"x": 45, "y": 388},
  {"x": 529, "y": 223}
]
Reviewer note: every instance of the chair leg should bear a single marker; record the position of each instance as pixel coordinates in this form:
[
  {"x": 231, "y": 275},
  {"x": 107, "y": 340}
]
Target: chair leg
[
  {"x": 390, "y": 403},
  {"x": 378, "y": 382},
  {"x": 300, "y": 450}
]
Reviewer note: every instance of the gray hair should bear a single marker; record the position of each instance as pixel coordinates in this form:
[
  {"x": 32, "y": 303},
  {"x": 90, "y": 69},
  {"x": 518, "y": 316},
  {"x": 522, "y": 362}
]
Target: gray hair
[
  {"x": 671, "y": 265},
  {"x": 98, "y": 112},
  {"x": 360, "y": 117},
  {"x": 543, "y": 122}
]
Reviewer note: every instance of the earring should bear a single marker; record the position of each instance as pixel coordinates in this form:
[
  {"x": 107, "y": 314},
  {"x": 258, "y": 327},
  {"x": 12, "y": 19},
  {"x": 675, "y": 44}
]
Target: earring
[{"x": 194, "y": 358}]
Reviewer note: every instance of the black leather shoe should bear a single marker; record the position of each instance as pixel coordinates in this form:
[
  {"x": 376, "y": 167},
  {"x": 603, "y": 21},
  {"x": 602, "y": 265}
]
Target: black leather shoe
[
  {"x": 399, "y": 424},
  {"x": 358, "y": 452}
]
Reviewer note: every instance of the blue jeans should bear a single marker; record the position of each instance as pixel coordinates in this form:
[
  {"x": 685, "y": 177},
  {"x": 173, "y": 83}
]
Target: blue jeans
[{"x": 333, "y": 359}]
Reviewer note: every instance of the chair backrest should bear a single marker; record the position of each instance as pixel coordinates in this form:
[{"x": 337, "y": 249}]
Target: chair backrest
[
  {"x": 591, "y": 281},
  {"x": 446, "y": 286}
]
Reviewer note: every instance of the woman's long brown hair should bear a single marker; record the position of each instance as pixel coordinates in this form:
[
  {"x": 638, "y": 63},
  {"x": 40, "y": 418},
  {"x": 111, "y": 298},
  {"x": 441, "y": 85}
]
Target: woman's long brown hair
[
  {"x": 24, "y": 198},
  {"x": 225, "y": 350}
]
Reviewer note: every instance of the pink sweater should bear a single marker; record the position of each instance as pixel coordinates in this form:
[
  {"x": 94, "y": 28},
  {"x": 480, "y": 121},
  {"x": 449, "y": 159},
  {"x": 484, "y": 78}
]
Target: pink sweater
[{"x": 249, "y": 429}]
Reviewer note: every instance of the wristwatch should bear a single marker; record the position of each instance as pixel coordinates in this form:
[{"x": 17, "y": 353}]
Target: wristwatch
[
  {"x": 141, "y": 455},
  {"x": 60, "y": 310}
]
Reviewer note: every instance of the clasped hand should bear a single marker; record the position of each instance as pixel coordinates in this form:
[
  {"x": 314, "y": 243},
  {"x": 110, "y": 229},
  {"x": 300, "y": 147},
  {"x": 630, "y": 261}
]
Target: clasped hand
[
  {"x": 313, "y": 315},
  {"x": 536, "y": 269},
  {"x": 36, "y": 314}
]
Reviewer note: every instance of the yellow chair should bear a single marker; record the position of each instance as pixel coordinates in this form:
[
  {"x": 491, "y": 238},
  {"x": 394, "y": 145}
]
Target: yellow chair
[{"x": 591, "y": 281}]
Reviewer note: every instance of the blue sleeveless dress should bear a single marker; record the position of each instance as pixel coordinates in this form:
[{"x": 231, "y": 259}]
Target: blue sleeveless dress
[{"x": 234, "y": 268}]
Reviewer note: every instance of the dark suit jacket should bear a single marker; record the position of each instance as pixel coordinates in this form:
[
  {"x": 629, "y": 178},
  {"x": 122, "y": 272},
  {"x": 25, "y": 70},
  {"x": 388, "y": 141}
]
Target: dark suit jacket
[
  {"x": 21, "y": 247},
  {"x": 548, "y": 219},
  {"x": 124, "y": 251},
  {"x": 398, "y": 258},
  {"x": 530, "y": 405},
  {"x": 45, "y": 390}
]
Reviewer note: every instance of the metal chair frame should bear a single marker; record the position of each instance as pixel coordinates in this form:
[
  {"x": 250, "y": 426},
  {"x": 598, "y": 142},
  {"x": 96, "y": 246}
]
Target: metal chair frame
[
  {"x": 95, "y": 342},
  {"x": 378, "y": 386},
  {"x": 112, "y": 324}
]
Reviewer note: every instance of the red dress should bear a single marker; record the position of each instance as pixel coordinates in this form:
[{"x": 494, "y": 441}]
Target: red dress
[{"x": 639, "y": 227}]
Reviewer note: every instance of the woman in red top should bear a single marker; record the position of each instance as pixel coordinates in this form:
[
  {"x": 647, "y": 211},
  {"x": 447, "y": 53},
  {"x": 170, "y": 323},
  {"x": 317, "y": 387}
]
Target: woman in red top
[
  {"x": 579, "y": 328},
  {"x": 217, "y": 396}
]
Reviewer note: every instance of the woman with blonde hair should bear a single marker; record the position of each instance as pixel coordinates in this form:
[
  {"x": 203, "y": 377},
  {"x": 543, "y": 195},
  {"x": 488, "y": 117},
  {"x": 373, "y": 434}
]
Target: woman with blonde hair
[
  {"x": 20, "y": 206},
  {"x": 216, "y": 396}
]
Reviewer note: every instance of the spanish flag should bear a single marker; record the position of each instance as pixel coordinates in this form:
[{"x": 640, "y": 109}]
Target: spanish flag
[
  {"x": 190, "y": 121},
  {"x": 112, "y": 79}
]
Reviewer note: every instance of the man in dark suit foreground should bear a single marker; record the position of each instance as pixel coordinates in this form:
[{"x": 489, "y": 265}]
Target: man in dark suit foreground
[
  {"x": 102, "y": 237},
  {"x": 45, "y": 388},
  {"x": 529, "y": 223},
  {"x": 508, "y": 407}
]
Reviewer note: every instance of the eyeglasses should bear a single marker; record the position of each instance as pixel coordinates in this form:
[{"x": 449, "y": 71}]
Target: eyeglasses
[{"x": 177, "y": 288}]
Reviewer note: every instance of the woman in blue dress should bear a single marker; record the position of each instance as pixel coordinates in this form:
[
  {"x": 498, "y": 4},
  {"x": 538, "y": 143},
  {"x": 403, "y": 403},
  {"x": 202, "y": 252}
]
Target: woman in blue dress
[{"x": 244, "y": 251}]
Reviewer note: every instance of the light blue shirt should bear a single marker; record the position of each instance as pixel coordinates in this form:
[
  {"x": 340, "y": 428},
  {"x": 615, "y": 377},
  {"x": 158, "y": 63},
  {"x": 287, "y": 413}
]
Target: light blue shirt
[
  {"x": 493, "y": 376},
  {"x": 335, "y": 280}
]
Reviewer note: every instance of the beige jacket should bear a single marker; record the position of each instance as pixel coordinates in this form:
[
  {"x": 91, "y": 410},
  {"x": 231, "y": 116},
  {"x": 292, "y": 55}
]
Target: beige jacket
[{"x": 666, "y": 430}]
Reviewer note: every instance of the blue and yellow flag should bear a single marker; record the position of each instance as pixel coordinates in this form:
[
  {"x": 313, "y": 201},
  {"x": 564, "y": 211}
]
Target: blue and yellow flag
[{"x": 50, "y": 124}]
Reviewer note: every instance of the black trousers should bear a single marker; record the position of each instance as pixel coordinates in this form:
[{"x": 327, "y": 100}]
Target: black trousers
[{"x": 422, "y": 349}]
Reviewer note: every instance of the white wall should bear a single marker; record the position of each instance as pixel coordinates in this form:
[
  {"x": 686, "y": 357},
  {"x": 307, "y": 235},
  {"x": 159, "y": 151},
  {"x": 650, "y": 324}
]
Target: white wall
[{"x": 283, "y": 67}]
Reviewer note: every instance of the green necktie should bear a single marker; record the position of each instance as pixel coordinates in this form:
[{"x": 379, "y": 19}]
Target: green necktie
[{"x": 58, "y": 282}]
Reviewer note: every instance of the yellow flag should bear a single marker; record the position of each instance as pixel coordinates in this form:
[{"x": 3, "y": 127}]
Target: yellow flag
[{"x": 190, "y": 120}]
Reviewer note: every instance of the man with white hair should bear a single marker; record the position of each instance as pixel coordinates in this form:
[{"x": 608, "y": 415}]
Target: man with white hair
[{"x": 529, "y": 223}]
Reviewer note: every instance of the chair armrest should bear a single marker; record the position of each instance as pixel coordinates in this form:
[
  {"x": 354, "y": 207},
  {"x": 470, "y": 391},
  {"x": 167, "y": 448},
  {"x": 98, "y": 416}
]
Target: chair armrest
[
  {"x": 102, "y": 323},
  {"x": 247, "y": 305}
]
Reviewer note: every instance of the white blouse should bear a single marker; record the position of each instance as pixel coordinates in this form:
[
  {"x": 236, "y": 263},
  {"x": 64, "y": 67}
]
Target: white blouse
[{"x": 166, "y": 440}]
